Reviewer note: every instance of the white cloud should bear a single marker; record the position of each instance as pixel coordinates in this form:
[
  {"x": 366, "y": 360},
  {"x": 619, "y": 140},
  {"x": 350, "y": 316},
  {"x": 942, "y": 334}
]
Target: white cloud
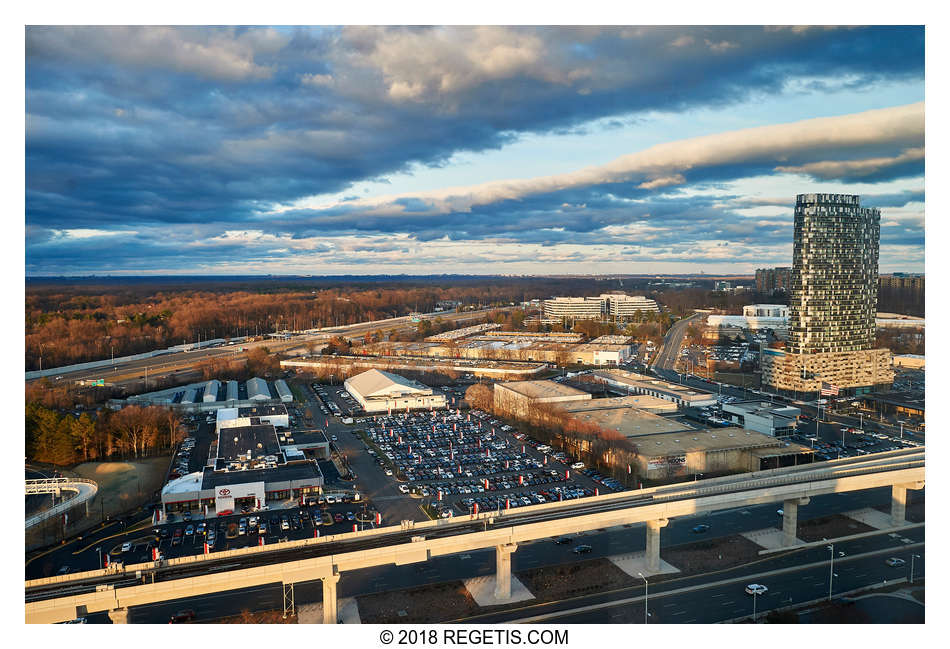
[
  {"x": 838, "y": 168},
  {"x": 899, "y": 127}
]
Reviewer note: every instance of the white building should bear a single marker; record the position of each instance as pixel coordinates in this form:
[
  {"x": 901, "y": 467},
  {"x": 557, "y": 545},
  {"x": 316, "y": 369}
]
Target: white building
[
  {"x": 257, "y": 389},
  {"x": 284, "y": 391},
  {"x": 275, "y": 415},
  {"x": 615, "y": 305},
  {"x": 378, "y": 391},
  {"x": 762, "y": 417},
  {"x": 765, "y": 311},
  {"x": 211, "y": 391}
]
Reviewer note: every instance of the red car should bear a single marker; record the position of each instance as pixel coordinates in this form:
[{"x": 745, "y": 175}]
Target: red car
[
  {"x": 182, "y": 616},
  {"x": 338, "y": 517},
  {"x": 225, "y": 512}
]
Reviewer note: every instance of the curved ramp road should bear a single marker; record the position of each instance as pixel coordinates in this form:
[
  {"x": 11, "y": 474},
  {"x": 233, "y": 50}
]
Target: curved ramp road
[{"x": 85, "y": 491}]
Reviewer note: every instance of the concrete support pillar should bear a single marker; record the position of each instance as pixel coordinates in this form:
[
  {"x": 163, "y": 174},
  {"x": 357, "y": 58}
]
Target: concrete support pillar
[
  {"x": 119, "y": 616},
  {"x": 329, "y": 598},
  {"x": 503, "y": 570},
  {"x": 898, "y": 504},
  {"x": 790, "y": 520},
  {"x": 653, "y": 544}
]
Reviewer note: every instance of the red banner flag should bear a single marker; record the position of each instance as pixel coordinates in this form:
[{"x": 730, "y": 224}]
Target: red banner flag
[
  {"x": 154, "y": 554},
  {"x": 507, "y": 503},
  {"x": 206, "y": 548},
  {"x": 354, "y": 527},
  {"x": 567, "y": 474},
  {"x": 379, "y": 518},
  {"x": 440, "y": 495},
  {"x": 596, "y": 491}
]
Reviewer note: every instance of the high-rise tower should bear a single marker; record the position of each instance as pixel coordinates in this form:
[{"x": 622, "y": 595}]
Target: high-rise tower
[
  {"x": 834, "y": 274},
  {"x": 833, "y": 304}
]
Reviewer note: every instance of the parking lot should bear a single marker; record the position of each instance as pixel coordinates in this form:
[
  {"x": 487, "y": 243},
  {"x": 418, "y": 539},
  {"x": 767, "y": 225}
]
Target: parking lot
[
  {"x": 457, "y": 460},
  {"x": 185, "y": 534}
]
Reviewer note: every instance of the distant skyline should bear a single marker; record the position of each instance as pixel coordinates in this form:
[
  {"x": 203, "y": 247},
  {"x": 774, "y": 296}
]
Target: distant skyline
[{"x": 493, "y": 150}]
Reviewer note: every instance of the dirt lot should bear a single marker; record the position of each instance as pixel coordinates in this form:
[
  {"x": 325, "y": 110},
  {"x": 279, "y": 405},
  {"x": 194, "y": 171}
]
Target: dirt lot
[
  {"x": 709, "y": 555},
  {"x": 575, "y": 579},
  {"x": 121, "y": 483},
  {"x": 449, "y": 601},
  {"x": 830, "y": 527}
]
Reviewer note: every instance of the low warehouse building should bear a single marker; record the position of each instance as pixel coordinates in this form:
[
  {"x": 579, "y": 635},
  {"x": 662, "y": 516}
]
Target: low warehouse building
[
  {"x": 284, "y": 391},
  {"x": 763, "y": 417},
  {"x": 619, "y": 415},
  {"x": 517, "y": 397},
  {"x": 633, "y": 383},
  {"x": 378, "y": 391},
  {"x": 722, "y": 450},
  {"x": 211, "y": 391},
  {"x": 257, "y": 390}
]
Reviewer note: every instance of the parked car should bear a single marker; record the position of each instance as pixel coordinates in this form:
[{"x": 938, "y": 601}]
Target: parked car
[
  {"x": 701, "y": 528},
  {"x": 126, "y": 547},
  {"x": 189, "y": 530}
]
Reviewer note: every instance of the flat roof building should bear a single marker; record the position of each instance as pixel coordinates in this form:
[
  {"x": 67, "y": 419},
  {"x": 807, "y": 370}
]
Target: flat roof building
[
  {"x": 249, "y": 468},
  {"x": 517, "y": 397},
  {"x": 718, "y": 451},
  {"x": 763, "y": 417},
  {"x": 620, "y": 415},
  {"x": 633, "y": 383},
  {"x": 273, "y": 414}
]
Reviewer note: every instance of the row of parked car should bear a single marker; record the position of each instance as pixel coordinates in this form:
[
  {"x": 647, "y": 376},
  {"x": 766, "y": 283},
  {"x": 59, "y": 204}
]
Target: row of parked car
[
  {"x": 183, "y": 458},
  {"x": 524, "y": 499}
]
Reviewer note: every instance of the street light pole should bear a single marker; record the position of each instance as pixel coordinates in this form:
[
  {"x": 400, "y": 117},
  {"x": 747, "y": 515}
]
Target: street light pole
[
  {"x": 755, "y": 597},
  {"x": 646, "y": 598}
]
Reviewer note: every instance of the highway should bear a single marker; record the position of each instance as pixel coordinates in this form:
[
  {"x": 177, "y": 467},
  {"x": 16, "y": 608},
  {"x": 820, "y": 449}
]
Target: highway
[
  {"x": 349, "y": 551},
  {"x": 178, "y": 362},
  {"x": 668, "y": 352},
  {"x": 544, "y": 553}
]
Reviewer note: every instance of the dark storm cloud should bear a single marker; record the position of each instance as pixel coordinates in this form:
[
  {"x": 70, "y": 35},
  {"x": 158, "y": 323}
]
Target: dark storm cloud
[{"x": 140, "y": 128}]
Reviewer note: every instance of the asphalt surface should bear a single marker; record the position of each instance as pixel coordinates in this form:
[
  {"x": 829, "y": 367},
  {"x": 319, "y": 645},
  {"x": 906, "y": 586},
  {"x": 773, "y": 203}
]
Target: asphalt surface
[{"x": 544, "y": 553}]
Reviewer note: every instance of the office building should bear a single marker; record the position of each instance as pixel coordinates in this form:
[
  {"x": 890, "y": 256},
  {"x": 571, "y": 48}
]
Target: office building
[
  {"x": 773, "y": 280},
  {"x": 617, "y": 306},
  {"x": 833, "y": 301}
]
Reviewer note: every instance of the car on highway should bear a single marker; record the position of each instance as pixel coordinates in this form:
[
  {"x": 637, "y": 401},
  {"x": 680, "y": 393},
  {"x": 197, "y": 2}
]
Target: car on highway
[
  {"x": 756, "y": 589},
  {"x": 582, "y": 549},
  {"x": 561, "y": 540},
  {"x": 894, "y": 562},
  {"x": 126, "y": 547},
  {"x": 700, "y": 529}
]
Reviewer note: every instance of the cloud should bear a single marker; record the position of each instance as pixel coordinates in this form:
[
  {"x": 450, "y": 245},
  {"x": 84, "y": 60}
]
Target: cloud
[
  {"x": 180, "y": 134},
  {"x": 673, "y": 163},
  {"x": 837, "y": 169}
]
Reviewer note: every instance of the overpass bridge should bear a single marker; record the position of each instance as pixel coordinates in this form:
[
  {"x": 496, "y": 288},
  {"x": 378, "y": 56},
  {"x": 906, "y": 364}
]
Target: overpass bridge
[
  {"x": 61, "y": 598},
  {"x": 85, "y": 492}
]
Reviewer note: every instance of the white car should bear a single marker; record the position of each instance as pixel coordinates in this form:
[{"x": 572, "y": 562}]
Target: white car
[
  {"x": 389, "y": 471},
  {"x": 756, "y": 589},
  {"x": 126, "y": 547},
  {"x": 577, "y": 465},
  {"x": 403, "y": 489}
]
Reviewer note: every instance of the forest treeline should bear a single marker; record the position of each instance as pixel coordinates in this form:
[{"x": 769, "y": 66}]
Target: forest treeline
[
  {"x": 68, "y": 324},
  {"x": 132, "y": 432}
]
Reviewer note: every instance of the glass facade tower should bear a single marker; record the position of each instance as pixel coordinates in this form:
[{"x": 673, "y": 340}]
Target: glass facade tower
[{"x": 833, "y": 302}]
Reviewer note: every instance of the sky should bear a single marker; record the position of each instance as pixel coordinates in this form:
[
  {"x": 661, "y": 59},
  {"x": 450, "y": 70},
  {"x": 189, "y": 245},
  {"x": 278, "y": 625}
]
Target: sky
[{"x": 473, "y": 150}]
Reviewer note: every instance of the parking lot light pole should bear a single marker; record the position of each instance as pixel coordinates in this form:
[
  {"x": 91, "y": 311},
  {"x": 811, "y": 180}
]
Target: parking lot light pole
[
  {"x": 99, "y": 550},
  {"x": 646, "y": 598}
]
